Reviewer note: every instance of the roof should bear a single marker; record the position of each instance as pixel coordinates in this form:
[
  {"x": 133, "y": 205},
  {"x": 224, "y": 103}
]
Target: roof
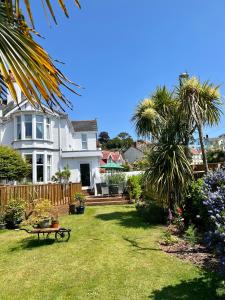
[
  {"x": 114, "y": 155},
  {"x": 196, "y": 151},
  {"x": 89, "y": 125},
  {"x": 8, "y": 107}
]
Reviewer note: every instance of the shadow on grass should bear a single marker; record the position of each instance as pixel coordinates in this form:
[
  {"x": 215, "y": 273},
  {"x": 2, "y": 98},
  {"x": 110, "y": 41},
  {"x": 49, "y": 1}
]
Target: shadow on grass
[
  {"x": 30, "y": 243},
  {"x": 208, "y": 287},
  {"x": 127, "y": 219},
  {"x": 137, "y": 247}
]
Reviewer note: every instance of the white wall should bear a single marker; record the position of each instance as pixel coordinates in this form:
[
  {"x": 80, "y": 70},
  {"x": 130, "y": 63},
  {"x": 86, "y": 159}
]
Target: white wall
[
  {"x": 74, "y": 166},
  {"x": 132, "y": 154}
]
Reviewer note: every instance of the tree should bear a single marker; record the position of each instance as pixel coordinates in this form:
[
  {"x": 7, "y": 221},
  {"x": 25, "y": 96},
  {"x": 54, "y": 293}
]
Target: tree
[
  {"x": 216, "y": 156},
  {"x": 62, "y": 176},
  {"x": 25, "y": 61},
  {"x": 126, "y": 139},
  {"x": 114, "y": 144},
  {"x": 103, "y": 138},
  {"x": 200, "y": 102},
  {"x": 12, "y": 165},
  {"x": 168, "y": 169}
]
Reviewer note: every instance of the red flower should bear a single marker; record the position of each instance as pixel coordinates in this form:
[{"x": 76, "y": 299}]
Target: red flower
[{"x": 179, "y": 210}]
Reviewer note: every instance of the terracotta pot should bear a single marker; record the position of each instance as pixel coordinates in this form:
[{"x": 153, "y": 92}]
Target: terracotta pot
[{"x": 55, "y": 224}]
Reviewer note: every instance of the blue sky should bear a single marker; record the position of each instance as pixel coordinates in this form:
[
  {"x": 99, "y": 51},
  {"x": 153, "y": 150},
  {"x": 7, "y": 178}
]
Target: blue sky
[{"x": 120, "y": 50}]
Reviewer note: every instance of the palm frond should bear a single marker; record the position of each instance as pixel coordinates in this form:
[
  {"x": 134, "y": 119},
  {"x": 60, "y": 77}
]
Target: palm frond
[
  {"x": 14, "y": 8},
  {"x": 26, "y": 62}
]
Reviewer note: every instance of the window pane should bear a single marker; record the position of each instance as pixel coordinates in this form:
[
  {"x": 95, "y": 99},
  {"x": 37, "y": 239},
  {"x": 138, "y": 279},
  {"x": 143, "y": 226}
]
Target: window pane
[
  {"x": 48, "y": 132},
  {"x": 29, "y": 159},
  {"x": 39, "y": 119},
  {"x": 84, "y": 137},
  {"x": 39, "y": 131},
  {"x": 84, "y": 145},
  {"x": 40, "y": 159},
  {"x": 48, "y": 120},
  {"x": 49, "y": 158},
  {"x": 84, "y": 141},
  {"x": 28, "y": 130},
  {"x": 18, "y": 128},
  {"x": 40, "y": 173},
  {"x": 48, "y": 173},
  {"x": 28, "y": 118}
]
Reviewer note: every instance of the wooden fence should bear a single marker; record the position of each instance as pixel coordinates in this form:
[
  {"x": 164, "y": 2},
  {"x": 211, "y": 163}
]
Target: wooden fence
[{"x": 57, "y": 193}]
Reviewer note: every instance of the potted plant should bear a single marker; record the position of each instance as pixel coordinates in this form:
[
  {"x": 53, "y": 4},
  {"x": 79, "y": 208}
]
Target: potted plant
[
  {"x": 40, "y": 217},
  {"x": 14, "y": 214},
  {"x": 55, "y": 222},
  {"x": 2, "y": 221},
  {"x": 72, "y": 206},
  {"x": 81, "y": 199}
]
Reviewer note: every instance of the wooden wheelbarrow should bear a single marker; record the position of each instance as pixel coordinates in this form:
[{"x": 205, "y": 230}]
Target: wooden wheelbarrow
[{"x": 61, "y": 234}]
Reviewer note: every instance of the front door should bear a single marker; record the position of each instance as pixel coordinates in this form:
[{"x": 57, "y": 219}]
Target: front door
[{"x": 85, "y": 174}]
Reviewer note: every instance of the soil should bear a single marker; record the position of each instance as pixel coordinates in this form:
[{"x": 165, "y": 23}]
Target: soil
[{"x": 197, "y": 254}]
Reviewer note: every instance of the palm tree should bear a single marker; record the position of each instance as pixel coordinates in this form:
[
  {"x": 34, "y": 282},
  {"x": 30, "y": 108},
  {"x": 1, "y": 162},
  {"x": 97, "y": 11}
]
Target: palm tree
[
  {"x": 201, "y": 105},
  {"x": 169, "y": 170},
  {"x": 25, "y": 61},
  {"x": 151, "y": 113}
]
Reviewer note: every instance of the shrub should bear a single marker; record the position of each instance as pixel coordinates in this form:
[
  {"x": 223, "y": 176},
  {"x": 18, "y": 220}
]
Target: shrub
[
  {"x": 169, "y": 239},
  {"x": 151, "y": 212},
  {"x": 12, "y": 165},
  {"x": 79, "y": 197},
  {"x": 134, "y": 187},
  {"x": 15, "y": 211},
  {"x": 214, "y": 200},
  {"x": 117, "y": 178},
  {"x": 191, "y": 235},
  {"x": 41, "y": 211},
  {"x": 195, "y": 211},
  {"x": 62, "y": 176}
]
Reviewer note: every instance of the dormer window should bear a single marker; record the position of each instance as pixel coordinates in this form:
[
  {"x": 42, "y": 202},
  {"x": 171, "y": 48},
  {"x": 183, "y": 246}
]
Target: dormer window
[
  {"x": 28, "y": 126},
  {"x": 39, "y": 127},
  {"x": 18, "y": 128},
  {"x": 84, "y": 141}
]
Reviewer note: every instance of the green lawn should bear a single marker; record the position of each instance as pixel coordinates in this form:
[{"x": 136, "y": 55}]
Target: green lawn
[{"x": 112, "y": 254}]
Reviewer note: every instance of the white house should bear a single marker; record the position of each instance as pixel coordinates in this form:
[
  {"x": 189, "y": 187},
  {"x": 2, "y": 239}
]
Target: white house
[
  {"x": 196, "y": 156},
  {"x": 50, "y": 141}
]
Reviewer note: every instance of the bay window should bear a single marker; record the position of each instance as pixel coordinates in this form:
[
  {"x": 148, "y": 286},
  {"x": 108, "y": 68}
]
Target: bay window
[
  {"x": 28, "y": 126},
  {"x": 39, "y": 127}
]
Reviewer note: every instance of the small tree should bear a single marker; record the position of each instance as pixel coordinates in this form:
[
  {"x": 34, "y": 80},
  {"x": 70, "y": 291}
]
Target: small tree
[
  {"x": 62, "y": 176},
  {"x": 12, "y": 165}
]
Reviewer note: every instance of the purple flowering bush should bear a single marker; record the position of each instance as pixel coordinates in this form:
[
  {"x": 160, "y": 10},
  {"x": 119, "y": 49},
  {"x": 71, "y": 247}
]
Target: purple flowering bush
[{"x": 214, "y": 200}]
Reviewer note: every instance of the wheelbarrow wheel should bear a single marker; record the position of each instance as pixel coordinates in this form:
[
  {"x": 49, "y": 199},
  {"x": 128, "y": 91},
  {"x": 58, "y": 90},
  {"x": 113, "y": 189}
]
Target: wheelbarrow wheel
[{"x": 62, "y": 236}]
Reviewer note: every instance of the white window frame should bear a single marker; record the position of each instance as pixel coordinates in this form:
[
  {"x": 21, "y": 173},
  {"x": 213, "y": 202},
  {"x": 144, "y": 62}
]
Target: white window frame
[
  {"x": 29, "y": 137},
  {"x": 20, "y": 125},
  {"x": 49, "y": 167},
  {"x": 37, "y": 164},
  {"x": 48, "y": 128},
  {"x": 38, "y": 122},
  {"x": 84, "y": 141}
]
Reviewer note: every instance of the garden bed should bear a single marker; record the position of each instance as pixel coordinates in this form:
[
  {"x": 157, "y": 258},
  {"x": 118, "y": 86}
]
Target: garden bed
[{"x": 197, "y": 254}]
